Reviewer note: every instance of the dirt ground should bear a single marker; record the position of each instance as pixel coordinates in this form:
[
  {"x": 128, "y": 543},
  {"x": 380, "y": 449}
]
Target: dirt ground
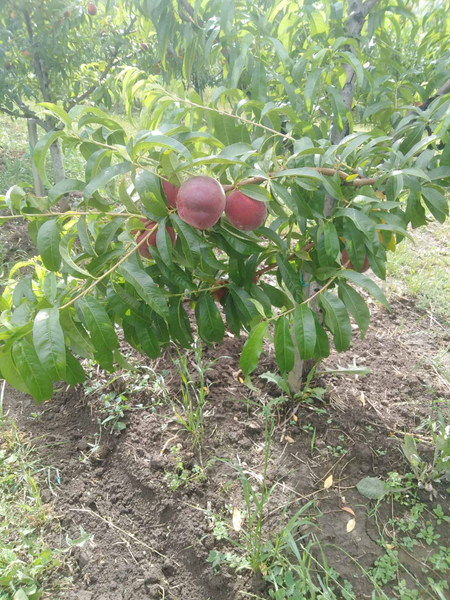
[{"x": 150, "y": 541}]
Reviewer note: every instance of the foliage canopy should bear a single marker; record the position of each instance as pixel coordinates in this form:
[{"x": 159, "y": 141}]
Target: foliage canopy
[{"x": 335, "y": 116}]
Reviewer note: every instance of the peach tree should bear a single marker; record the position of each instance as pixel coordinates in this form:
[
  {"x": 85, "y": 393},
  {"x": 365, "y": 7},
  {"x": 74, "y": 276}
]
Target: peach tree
[{"x": 258, "y": 209}]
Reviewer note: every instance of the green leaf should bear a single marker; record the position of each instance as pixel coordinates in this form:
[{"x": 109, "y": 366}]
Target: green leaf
[
  {"x": 152, "y": 140},
  {"x": 40, "y": 151},
  {"x": 76, "y": 336},
  {"x": 290, "y": 278},
  {"x": 436, "y": 203},
  {"x": 362, "y": 280},
  {"x": 356, "y": 306},
  {"x": 331, "y": 240},
  {"x": 164, "y": 243},
  {"x": 148, "y": 186},
  {"x": 284, "y": 346},
  {"x": 322, "y": 349},
  {"x": 311, "y": 88},
  {"x": 372, "y": 487},
  {"x": 23, "y": 289},
  {"x": 48, "y": 239},
  {"x": 209, "y": 321},
  {"x": 106, "y": 235},
  {"x": 36, "y": 379},
  {"x": 354, "y": 244},
  {"x": 48, "y": 340},
  {"x": 57, "y": 111},
  {"x": 74, "y": 371},
  {"x": 305, "y": 331},
  {"x": 253, "y": 348},
  {"x": 65, "y": 248},
  {"x": 10, "y": 373},
  {"x": 83, "y": 234},
  {"x": 104, "y": 177},
  {"x": 337, "y": 319},
  {"x": 255, "y": 191},
  {"x": 145, "y": 287},
  {"x": 101, "y": 329},
  {"x": 148, "y": 341},
  {"x": 64, "y": 187}
]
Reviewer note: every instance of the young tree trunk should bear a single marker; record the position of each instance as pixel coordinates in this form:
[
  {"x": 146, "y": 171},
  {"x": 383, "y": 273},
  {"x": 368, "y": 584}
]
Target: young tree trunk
[
  {"x": 357, "y": 13},
  {"x": 33, "y": 138},
  {"x": 57, "y": 161}
]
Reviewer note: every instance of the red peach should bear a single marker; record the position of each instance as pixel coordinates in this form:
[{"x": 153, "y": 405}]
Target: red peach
[
  {"x": 201, "y": 201},
  {"x": 346, "y": 259},
  {"x": 92, "y": 9},
  {"x": 244, "y": 213},
  {"x": 171, "y": 192},
  {"x": 144, "y": 250}
]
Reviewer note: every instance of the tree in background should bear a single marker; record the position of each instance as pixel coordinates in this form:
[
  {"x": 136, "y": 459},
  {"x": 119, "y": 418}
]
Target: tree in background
[
  {"x": 64, "y": 52},
  {"x": 332, "y": 119}
]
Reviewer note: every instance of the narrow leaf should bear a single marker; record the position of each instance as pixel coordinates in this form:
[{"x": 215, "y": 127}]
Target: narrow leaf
[
  {"x": 284, "y": 346},
  {"x": 48, "y": 339},
  {"x": 253, "y": 348}
]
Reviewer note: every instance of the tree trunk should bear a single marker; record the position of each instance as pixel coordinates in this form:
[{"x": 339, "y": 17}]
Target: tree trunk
[
  {"x": 57, "y": 161},
  {"x": 33, "y": 138},
  {"x": 357, "y": 13}
]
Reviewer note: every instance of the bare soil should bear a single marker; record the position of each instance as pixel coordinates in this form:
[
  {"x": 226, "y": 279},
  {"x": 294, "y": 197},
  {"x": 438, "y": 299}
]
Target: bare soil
[{"x": 152, "y": 542}]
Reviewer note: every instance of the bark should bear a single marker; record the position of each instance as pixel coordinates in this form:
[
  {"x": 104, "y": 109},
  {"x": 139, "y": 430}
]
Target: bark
[
  {"x": 357, "y": 13},
  {"x": 33, "y": 138}
]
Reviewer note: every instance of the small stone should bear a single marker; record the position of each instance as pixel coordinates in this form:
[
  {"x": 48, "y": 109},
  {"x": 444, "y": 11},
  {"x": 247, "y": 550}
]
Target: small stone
[{"x": 253, "y": 427}]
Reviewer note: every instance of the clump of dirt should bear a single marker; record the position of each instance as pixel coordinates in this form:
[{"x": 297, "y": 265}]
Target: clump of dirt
[{"x": 152, "y": 535}]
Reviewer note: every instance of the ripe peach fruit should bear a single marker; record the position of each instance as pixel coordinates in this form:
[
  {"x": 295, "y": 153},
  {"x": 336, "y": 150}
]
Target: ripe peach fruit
[
  {"x": 144, "y": 250},
  {"x": 144, "y": 46},
  {"x": 346, "y": 259},
  {"x": 201, "y": 201},
  {"x": 171, "y": 192},
  {"x": 243, "y": 212},
  {"x": 92, "y": 9}
]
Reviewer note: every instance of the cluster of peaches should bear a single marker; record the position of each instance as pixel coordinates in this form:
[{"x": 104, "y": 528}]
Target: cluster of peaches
[{"x": 200, "y": 202}]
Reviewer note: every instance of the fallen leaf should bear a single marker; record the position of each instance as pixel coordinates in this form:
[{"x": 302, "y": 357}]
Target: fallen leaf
[
  {"x": 349, "y": 510},
  {"x": 363, "y": 399},
  {"x": 289, "y": 439},
  {"x": 237, "y": 519},
  {"x": 241, "y": 380},
  {"x": 351, "y": 525},
  {"x": 295, "y": 418},
  {"x": 389, "y": 546},
  {"x": 343, "y": 499},
  {"x": 328, "y": 482}
]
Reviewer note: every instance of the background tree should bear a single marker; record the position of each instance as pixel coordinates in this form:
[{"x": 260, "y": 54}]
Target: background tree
[
  {"x": 333, "y": 119},
  {"x": 56, "y": 51}
]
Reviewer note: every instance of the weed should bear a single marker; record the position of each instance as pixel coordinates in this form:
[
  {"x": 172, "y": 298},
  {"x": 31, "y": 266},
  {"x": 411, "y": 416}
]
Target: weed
[
  {"x": 114, "y": 407},
  {"x": 438, "y": 470},
  {"x": 28, "y": 564},
  {"x": 181, "y": 475},
  {"x": 189, "y": 408}
]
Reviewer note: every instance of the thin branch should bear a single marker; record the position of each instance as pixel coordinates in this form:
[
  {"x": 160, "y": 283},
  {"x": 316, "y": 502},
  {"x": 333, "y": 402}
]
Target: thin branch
[
  {"x": 327, "y": 171},
  {"x": 23, "y": 115},
  {"x": 191, "y": 13}
]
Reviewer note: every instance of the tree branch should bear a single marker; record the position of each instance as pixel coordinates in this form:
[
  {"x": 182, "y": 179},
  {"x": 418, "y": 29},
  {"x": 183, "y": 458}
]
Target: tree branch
[
  {"x": 26, "y": 114},
  {"x": 190, "y": 11},
  {"x": 110, "y": 64},
  {"x": 327, "y": 171}
]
